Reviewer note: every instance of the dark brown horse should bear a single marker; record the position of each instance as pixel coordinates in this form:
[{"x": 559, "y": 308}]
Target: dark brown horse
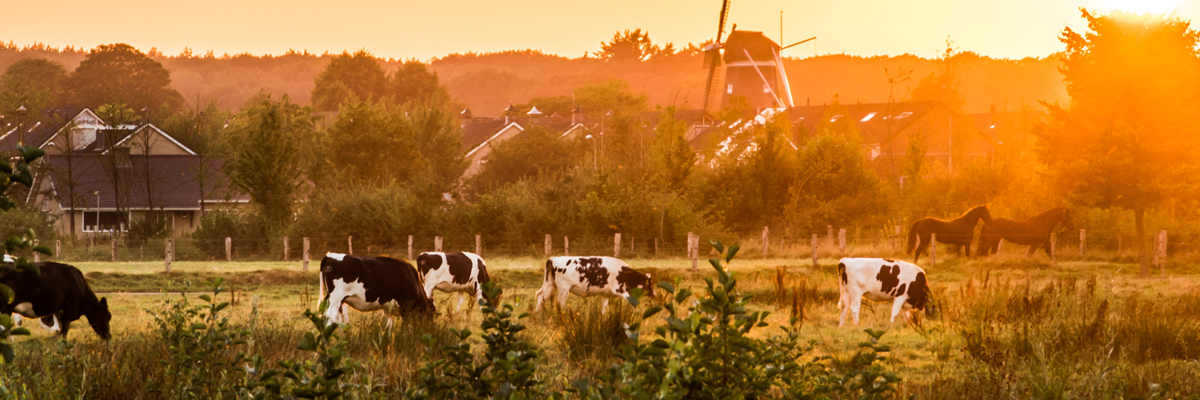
[
  {"x": 1033, "y": 232},
  {"x": 957, "y": 232}
]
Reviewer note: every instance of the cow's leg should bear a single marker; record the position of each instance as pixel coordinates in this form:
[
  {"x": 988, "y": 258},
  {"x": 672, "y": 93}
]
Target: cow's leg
[
  {"x": 843, "y": 307},
  {"x": 855, "y": 305},
  {"x": 562, "y": 297},
  {"x": 390, "y": 322},
  {"x": 897, "y": 304},
  {"x": 546, "y": 291},
  {"x": 604, "y": 305},
  {"x": 460, "y": 301},
  {"x": 345, "y": 313}
]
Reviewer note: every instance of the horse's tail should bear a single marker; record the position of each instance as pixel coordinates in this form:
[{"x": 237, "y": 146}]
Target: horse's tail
[{"x": 912, "y": 238}]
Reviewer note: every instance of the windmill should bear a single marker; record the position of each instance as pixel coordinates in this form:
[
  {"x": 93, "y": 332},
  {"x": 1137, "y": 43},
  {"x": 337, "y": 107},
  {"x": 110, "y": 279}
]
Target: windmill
[{"x": 753, "y": 69}]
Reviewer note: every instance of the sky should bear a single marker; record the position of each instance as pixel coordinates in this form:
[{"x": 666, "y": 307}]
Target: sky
[{"x": 427, "y": 29}]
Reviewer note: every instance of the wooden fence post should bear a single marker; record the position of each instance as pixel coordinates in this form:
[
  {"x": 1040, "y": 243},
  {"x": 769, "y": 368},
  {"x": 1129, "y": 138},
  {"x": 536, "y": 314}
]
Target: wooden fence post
[
  {"x": 58, "y": 248},
  {"x": 478, "y": 245},
  {"x": 228, "y": 249},
  {"x": 285, "y": 248},
  {"x": 932, "y": 249},
  {"x": 1053, "y": 247},
  {"x": 170, "y": 250},
  {"x": 37, "y": 257},
  {"x": 766, "y": 240},
  {"x": 548, "y": 245},
  {"x": 1161, "y": 254},
  {"x": 113, "y": 240},
  {"x": 842, "y": 241},
  {"x": 437, "y": 244},
  {"x": 693, "y": 250},
  {"x": 410, "y": 242},
  {"x": 1082, "y": 241},
  {"x": 829, "y": 235},
  {"x": 815, "y": 244},
  {"x": 655, "y": 247},
  {"x": 566, "y": 246},
  {"x": 304, "y": 257},
  {"x": 350, "y": 245},
  {"x": 617, "y": 245},
  {"x": 632, "y": 248}
]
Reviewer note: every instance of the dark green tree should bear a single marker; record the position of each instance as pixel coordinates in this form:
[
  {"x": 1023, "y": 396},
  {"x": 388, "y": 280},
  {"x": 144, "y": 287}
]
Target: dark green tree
[
  {"x": 347, "y": 76},
  {"x": 535, "y": 151},
  {"x": 265, "y": 160},
  {"x": 35, "y": 83},
  {"x": 121, "y": 74},
  {"x": 673, "y": 158},
  {"x": 1128, "y": 137},
  {"x": 381, "y": 140},
  {"x": 414, "y": 82}
]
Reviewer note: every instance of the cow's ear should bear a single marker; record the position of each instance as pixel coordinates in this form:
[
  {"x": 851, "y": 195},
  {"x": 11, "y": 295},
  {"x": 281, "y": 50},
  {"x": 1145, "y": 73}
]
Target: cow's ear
[
  {"x": 647, "y": 276},
  {"x": 104, "y": 302}
]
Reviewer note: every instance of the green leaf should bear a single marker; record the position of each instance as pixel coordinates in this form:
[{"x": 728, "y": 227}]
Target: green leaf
[
  {"x": 31, "y": 153},
  {"x": 651, "y": 311},
  {"x": 716, "y": 264},
  {"x": 43, "y": 249},
  {"x": 22, "y": 331},
  {"x": 732, "y": 252},
  {"x": 6, "y": 350},
  {"x": 309, "y": 343},
  {"x": 8, "y": 295},
  {"x": 716, "y": 244}
]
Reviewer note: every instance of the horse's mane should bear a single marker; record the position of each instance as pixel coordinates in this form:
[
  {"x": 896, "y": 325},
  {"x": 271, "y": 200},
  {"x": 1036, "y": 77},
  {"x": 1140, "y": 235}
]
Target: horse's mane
[
  {"x": 974, "y": 210},
  {"x": 1059, "y": 212}
]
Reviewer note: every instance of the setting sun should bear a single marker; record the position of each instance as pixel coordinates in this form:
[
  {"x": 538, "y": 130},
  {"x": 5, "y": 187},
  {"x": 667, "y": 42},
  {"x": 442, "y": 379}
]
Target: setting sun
[{"x": 1142, "y": 6}]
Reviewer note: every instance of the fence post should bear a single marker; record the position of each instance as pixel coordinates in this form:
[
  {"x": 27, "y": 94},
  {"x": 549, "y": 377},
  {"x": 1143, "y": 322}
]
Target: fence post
[
  {"x": 655, "y": 247},
  {"x": 114, "y": 247},
  {"x": 566, "y": 246},
  {"x": 37, "y": 257},
  {"x": 1161, "y": 254},
  {"x": 814, "y": 250},
  {"x": 632, "y": 240},
  {"x": 829, "y": 234},
  {"x": 410, "y": 241},
  {"x": 58, "y": 248},
  {"x": 479, "y": 244},
  {"x": 1082, "y": 241},
  {"x": 842, "y": 241},
  {"x": 617, "y": 245},
  {"x": 437, "y": 244},
  {"x": 305, "y": 256},
  {"x": 766, "y": 240},
  {"x": 285, "y": 248},
  {"x": 350, "y": 245},
  {"x": 932, "y": 249},
  {"x": 692, "y": 250},
  {"x": 170, "y": 250},
  {"x": 1053, "y": 247},
  {"x": 549, "y": 247},
  {"x": 228, "y": 249}
]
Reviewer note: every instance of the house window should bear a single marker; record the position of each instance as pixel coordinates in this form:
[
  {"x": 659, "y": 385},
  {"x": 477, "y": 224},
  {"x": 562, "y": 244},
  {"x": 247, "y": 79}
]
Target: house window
[
  {"x": 766, "y": 88},
  {"x": 108, "y": 221},
  {"x": 729, "y": 89},
  {"x": 868, "y": 117}
]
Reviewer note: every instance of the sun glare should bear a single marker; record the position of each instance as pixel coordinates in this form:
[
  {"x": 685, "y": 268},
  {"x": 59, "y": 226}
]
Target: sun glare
[{"x": 1142, "y": 6}]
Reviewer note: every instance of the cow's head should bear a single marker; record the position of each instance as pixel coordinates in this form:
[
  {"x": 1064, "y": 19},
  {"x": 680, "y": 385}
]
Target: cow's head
[{"x": 98, "y": 317}]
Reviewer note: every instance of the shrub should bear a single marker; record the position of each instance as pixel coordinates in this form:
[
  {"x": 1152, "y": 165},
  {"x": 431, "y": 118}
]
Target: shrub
[{"x": 201, "y": 346}]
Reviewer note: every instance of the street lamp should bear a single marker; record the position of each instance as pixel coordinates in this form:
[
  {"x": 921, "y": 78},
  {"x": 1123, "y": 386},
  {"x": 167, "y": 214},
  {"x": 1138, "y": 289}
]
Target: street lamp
[
  {"x": 20, "y": 134},
  {"x": 97, "y": 193},
  {"x": 593, "y": 151}
]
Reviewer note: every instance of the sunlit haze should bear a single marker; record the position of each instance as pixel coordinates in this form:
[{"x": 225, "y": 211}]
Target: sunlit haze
[{"x": 423, "y": 30}]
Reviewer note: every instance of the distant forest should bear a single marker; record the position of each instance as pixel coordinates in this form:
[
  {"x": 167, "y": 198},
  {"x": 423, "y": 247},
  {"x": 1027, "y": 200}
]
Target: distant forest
[{"x": 488, "y": 82}]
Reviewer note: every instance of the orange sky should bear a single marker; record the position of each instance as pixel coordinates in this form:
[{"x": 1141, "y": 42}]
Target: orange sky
[{"x": 426, "y": 29}]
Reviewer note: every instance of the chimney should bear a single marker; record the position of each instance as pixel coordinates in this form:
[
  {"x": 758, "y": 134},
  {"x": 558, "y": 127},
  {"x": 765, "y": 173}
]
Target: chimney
[
  {"x": 508, "y": 113},
  {"x": 577, "y": 115},
  {"x": 465, "y": 114}
]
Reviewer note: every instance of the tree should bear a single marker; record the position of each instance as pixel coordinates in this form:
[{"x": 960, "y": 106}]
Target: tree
[
  {"x": 1128, "y": 136},
  {"x": 632, "y": 45},
  {"x": 120, "y": 74},
  {"x": 535, "y": 151},
  {"x": 439, "y": 142},
  {"x": 265, "y": 161},
  {"x": 834, "y": 185},
  {"x": 381, "y": 139},
  {"x": 414, "y": 82},
  {"x": 673, "y": 158},
  {"x": 357, "y": 75},
  {"x": 35, "y": 83}
]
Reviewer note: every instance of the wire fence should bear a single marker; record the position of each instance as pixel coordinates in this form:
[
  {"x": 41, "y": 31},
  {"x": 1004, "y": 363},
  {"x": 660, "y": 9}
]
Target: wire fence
[{"x": 853, "y": 242}]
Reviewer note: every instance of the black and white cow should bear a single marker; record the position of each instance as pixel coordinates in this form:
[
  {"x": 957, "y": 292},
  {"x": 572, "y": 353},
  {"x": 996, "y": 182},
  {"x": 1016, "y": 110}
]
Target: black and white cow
[
  {"x": 880, "y": 279},
  {"x": 372, "y": 284},
  {"x": 590, "y": 276},
  {"x": 59, "y": 295},
  {"x": 453, "y": 272}
]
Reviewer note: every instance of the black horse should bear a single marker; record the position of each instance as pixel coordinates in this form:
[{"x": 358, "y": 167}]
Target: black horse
[
  {"x": 1033, "y": 232},
  {"x": 957, "y": 232}
]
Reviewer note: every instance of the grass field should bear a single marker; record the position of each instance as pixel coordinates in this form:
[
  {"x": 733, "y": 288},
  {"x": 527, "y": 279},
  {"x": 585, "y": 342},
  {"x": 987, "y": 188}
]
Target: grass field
[{"x": 1004, "y": 327}]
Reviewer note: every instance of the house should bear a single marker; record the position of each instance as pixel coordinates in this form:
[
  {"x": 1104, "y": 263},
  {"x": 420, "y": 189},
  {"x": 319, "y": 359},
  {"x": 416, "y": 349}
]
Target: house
[
  {"x": 99, "y": 177},
  {"x": 481, "y": 135}
]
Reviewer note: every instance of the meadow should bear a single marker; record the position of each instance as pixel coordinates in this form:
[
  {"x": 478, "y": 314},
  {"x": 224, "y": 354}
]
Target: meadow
[{"x": 1007, "y": 326}]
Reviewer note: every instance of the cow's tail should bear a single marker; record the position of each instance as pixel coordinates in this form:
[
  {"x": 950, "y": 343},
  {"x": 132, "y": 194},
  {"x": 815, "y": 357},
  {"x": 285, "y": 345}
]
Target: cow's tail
[
  {"x": 320, "y": 289},
  {"x": 912, "y": 238},
  {"x": 841, "y": 284}
]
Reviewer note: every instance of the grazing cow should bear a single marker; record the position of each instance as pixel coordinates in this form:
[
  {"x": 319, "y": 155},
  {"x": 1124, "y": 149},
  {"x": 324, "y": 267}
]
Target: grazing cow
[
  {"x": 372, "y": 284},
  {"x": 590, "y": 276},
  {"x": 453, "y": 272},
  {"x": 59, "y": 294},
  {"x": 49, "y": 322},
  {"x": 880, "y": 279}
]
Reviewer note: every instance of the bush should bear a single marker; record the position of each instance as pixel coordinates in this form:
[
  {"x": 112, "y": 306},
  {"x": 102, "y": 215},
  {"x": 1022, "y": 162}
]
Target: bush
[
  {"x": 201, "y": 346},
  {"x": 155, "y": 224},
  {"x": 218, "y": 225}
]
